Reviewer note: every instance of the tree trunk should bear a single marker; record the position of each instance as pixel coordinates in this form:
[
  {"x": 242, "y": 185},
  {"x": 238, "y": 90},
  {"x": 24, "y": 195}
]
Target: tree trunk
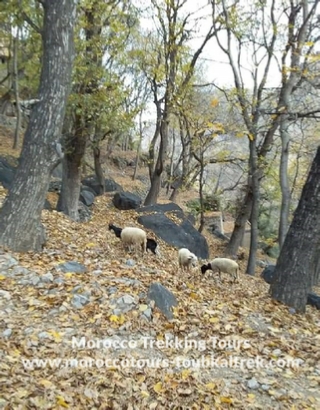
[
  {"x": 299, "y": 256},
  {"x": 16, "y": 90},
  {"x": 98, "y": 170},
  {"x": 251, "y": 267},
  {"x": 139, "y": 148},
  {"x": 154, "y": 191},
  {"x": 75, "y": 148},
  {"x": 240, "y": 223},
  {"x": 284, "y": 182},
  {"x": 201, "y": 195},
  {"x": 20, "y": 218}
]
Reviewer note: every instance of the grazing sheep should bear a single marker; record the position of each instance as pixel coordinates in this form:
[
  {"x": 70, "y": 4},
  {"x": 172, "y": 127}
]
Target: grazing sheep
[
  {"x": 116, "y": 230},
  {"x": 222, "y": 265},
  {"x": 186, "y": 259},
  {"x": 152, "y": 245},
  {"x": 134, "y": 237}
]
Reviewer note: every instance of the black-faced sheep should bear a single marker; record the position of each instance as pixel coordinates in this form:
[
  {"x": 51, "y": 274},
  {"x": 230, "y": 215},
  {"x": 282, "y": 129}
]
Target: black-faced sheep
[
  {"x": 152, "y": 245},
  {"x": 186, "y": 259},
  {"x": 134, "y": 237},
  {"x": 116, "y": 230},
  {"x": 222, "y": 265}
]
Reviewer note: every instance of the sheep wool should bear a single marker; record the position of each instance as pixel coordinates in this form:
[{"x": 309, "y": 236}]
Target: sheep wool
[
  {"x": 186, "y": 259},
  {"x": 222, "y": 265},
  {"x": 135, "y": 237}
]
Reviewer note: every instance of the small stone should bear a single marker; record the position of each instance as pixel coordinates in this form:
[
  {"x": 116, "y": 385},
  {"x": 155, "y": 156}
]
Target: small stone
[
  {"x": 277, "y": 352},
  {"x": 47, "y": 277},
  {"x": 7, "y": 333},
  {"x": 265, "y": 387},
  {"x": 43, "y": 335},
  {"x": 130, "y": 262},
  {"x": 253, "y": 384},
  {"x": 5, "y": 294}
]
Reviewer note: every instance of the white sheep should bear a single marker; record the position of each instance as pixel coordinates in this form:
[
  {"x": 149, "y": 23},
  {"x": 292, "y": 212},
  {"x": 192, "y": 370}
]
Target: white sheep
[
  {"x": 222, "y": 265},
  {"x": 134, "y": 237},
  {"x": 186, "y": 259}
]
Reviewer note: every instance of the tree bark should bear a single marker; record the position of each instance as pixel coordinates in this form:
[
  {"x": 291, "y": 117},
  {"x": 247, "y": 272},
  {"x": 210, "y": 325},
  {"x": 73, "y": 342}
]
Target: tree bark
[
  {"x": 251, "y": 267},
  {"x": 98, "y": 169},
  {"x": 284, "y": 181},
  {"x": 16, "y": 90},
  {"x": 298, "y": 262},
  {"x": 20, "y": 218}
]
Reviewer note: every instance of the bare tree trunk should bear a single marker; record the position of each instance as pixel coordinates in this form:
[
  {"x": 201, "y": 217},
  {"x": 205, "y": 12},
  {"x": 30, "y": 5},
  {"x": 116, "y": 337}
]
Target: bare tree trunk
[
  {"x": 20, "y": 218},
  {"x": 75, "y": 147},
  {"x": 201, "y": 183},
  {"x": 254, "y": 209},
  {"x": 139, "y": 148},
  {"x": 154, "y": 191},
  {"x": 240, "y": 223},
  {"x": 16, "y": 89},
  {"x": 299, "y": 256},
  {"x": 284, "y": 181},
  {"x": 98, "y": 170}
]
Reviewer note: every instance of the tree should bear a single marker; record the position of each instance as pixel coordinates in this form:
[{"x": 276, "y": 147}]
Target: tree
[
  {"x": 170, "y": 77},
  {"x": 297, "y": 265},
  {"x": 20, "y": 217}
]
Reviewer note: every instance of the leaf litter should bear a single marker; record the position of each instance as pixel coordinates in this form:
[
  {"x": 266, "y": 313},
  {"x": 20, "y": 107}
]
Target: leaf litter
[{"x": 43, "y": 321}]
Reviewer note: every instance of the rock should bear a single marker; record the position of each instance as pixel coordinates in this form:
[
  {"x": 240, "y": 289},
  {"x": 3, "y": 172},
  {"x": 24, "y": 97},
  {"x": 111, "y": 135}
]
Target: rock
[
  {"x": 80, "y": 300},
  {"x": 47, "y": 277},
  {"x": 72, "y": 266},
  {"x": 127, "y": 281},
  {"x": 268, "y": 273},
  {"x": 84, "y": 212},
  {"x": 161, "y": 208},
  {"x": 44, "y": 335},
  {"x": 163, "y": 298},
  {"x": 4, "y": 294},
  {"x": 313, "y": 300},
  {"x": 180, "y": 236},
  {"x": 220, "y": 235},
  {"x": 265, "y": 387},
  {"x": 7, "y": 262},
  {"x": 127, "y": 299},
  {"x": 126, "y": 201},
  {"x": 7, "y": 333},
  {"x": 130, "y": 262},
  {"x": 253, "y": 384},
  {"x": 261, "y": 264},
  {"x": 147, "y": 313},
  {"x": 55, "y": 186},
  {"x": 92, "y": 182},
  {"x": 86, "y": 196},
  {"x": 277, "y": 352}
]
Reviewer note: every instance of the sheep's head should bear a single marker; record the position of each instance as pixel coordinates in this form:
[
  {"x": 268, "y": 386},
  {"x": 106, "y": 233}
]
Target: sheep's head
[
  {"x": 204, "y": 268},
  {"x": 193, "y": 259}
]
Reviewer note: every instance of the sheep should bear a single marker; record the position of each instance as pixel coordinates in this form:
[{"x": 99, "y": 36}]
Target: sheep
[
  {"x": 222, "y": 265},
  {"x": 116, "y": 230},
  {"x": 134, "y": 237},
  {"x": 152, "y": 245},
  {"x": 186, "y": 259}
]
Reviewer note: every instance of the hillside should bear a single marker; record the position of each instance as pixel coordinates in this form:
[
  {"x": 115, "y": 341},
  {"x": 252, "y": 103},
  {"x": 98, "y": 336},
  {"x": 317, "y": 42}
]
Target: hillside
[{"x": 216, "y": 321}]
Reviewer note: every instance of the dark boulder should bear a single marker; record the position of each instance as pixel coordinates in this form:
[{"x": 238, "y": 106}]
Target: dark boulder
[
  {"x": 92, "y": 182},
  {"x": 163, "y": 298},
  {"x": 268, "y": 273},
  {"x": 86, "y": 196},
  {"x": 180, "y": 236},
  {"x": 126, "y": 200}
]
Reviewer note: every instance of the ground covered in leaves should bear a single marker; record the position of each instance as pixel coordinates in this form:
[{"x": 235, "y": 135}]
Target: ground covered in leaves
[{"x": 198, "y": 360}]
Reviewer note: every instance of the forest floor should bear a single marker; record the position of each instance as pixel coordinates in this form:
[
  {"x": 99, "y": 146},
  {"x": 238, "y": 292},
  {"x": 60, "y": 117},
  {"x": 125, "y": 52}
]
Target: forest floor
[{"x": 228, "y": 324}]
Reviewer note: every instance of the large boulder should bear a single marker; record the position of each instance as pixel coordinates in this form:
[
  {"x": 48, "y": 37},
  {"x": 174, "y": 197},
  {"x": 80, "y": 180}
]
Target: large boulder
[
  {"x": 92, "y": 182},
  {"x": 182, "y": 235},
  {"x": 268, "y": 273},
  {"x": 126, "y": 200},
  {"x": 7, "y": 172},
  {"x": 163, "y": 298},
  {"x": 86, "y": 196}
]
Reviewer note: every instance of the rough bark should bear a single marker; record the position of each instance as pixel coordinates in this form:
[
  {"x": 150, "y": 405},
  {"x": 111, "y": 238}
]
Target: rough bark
[
  {"x": 98, "y": 170},
  {"x": 16, "y": 90},
  {"x": 284, "y": 182},
  {"x": 20, "y": 218},
  {"x": 75, "y": 148},
  {"x": 254, "y": 209},
  {"x": 299, "y": 257}
]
